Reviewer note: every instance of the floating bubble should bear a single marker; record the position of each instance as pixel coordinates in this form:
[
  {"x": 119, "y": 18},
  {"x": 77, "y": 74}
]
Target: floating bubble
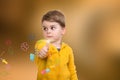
[
  {"x": 47, "y": 70},
  {"x": 7, "y": 67},
  {"x": 8, "y": 42},
  {"x": 24, "y": 46},
  {"x": 31, "y": 36},
  {"x": 43, "y": 72},
  {"x": 32, "y": 56}
]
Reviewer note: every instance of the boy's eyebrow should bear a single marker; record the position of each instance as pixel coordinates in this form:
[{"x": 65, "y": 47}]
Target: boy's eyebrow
[{"x": 50, "y": 26}]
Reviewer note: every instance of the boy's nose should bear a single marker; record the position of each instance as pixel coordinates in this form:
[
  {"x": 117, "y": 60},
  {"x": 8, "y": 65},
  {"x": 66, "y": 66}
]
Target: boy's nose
[{"x": 48, "y": 31}]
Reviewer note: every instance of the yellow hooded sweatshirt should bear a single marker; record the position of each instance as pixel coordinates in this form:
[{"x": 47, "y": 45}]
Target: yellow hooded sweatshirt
[{"x": 59, "y": 65}]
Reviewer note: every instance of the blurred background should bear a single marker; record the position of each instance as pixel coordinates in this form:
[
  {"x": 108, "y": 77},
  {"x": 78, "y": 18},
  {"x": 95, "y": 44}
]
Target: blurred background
[{"x": 93, "y": 31}]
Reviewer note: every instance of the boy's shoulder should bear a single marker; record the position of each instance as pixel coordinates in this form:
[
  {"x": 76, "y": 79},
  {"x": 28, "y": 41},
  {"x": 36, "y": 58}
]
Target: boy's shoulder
[{"x": 65, "y": 45}]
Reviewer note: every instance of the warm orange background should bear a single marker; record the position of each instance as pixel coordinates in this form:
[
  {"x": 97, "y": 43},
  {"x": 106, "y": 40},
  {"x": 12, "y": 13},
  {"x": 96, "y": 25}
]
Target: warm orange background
[{"x": 21, "y": 18}]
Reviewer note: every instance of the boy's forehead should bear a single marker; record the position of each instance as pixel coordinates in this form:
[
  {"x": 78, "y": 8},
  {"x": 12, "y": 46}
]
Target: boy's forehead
[{"x": 49, "y": 23}]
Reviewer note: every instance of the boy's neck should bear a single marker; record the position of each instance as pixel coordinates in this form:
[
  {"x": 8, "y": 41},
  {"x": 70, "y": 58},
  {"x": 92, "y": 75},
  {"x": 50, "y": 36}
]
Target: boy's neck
[{"x": 57, "y": 44}]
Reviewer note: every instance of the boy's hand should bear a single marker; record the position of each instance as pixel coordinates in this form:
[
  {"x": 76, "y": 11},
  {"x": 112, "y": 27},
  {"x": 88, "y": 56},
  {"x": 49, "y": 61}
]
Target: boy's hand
[{"x": 43, "y": 53}]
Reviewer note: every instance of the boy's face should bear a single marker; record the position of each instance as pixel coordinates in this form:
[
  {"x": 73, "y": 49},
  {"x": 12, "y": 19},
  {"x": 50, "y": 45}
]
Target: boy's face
[{"x": 52, "y": 31}]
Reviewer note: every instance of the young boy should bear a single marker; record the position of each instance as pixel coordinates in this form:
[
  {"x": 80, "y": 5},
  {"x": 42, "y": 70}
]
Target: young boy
[{"x": 54, "y": 58}]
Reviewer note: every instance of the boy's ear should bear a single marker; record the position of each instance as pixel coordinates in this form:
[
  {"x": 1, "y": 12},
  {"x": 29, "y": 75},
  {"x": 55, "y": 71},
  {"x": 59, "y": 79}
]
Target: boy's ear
[{"x": 63, "y": 31}]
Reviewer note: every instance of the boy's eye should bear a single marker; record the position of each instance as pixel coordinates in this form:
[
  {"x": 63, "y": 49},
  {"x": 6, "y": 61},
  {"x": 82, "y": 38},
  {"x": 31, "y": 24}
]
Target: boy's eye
[
  {"x": 45, "y": 29},
  {"x": 53, "y": 28}
]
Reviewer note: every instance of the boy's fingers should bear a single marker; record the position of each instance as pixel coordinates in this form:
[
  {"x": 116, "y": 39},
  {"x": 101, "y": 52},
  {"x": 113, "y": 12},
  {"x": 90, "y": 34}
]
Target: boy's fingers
[
  {"x": 43, "y": 54},
  {"x": 44, "y": 50},
  {"x": 40, "y": 56}
]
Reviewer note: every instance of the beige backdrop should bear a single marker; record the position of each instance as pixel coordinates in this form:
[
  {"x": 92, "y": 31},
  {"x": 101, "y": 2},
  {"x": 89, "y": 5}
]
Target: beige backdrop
[{"x": 93, "y": 31}]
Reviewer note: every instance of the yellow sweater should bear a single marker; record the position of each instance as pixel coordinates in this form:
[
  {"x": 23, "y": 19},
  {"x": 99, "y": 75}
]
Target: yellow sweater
[{"x": 59, "y": 65}]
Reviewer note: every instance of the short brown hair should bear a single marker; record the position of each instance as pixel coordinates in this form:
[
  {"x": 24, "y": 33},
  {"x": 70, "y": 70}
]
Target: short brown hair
[{"x": 55, "y": 16}]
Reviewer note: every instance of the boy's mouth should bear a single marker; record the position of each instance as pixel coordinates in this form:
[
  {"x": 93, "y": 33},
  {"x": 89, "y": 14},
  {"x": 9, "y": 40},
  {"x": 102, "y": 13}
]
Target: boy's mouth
[{"x": 49, "y": 36}]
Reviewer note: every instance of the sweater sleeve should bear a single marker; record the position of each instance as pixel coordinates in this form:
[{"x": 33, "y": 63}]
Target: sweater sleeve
[
  {"x": 38, "y": 46},
  {"x": 72, "y": 67}
]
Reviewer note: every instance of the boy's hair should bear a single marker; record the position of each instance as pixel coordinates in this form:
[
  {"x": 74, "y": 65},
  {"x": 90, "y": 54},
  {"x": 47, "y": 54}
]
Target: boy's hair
[{"x": 55, "y": 16}]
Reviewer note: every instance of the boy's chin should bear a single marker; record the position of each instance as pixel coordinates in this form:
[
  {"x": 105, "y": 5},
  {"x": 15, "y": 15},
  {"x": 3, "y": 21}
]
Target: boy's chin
[{"x": 50, "y": 40}]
